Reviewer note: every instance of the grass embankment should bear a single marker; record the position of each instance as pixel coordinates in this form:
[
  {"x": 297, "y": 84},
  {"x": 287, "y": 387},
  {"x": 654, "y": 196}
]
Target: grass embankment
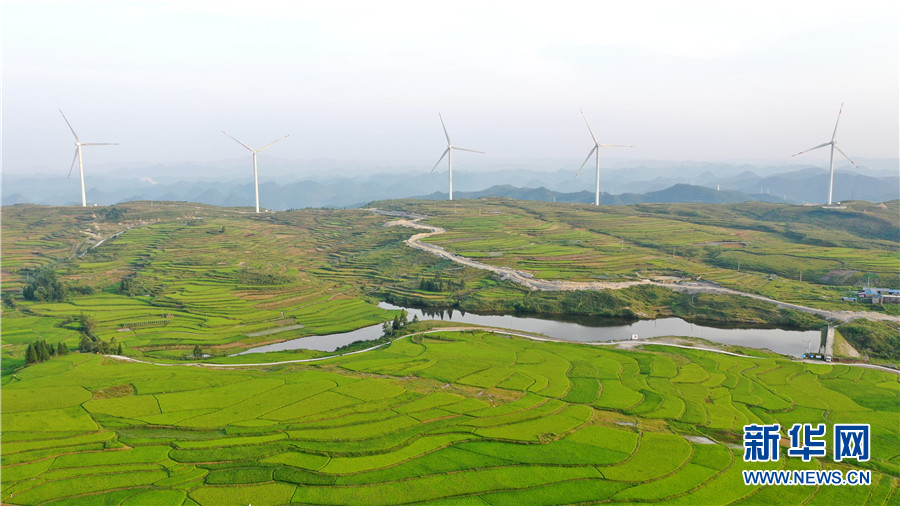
[
  {"x": 452, "y": 416},
  {"x": 879, "y": 339}
]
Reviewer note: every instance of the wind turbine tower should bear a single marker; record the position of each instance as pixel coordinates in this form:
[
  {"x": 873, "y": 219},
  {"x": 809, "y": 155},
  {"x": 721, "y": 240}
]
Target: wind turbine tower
[
  {"x": 255, "y": 151},
  {"x": 596, "y": 149},
  {"x": 833, "y": 144},
  {"x": 449, "y": 154},
  {"x": 78, "y": 145}
]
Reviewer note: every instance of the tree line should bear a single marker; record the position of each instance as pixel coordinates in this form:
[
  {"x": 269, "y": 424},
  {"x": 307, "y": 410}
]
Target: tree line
[
  {"x": 45, "y": 286},
  {"x": 88, "y": 345},
  {"x": 437, "y": 283},
  {"x": 40, "y": 351},
  {"x": 90, "y": 342}
]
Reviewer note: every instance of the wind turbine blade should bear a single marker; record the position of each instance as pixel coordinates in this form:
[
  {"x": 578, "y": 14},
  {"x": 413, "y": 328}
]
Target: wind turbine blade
[
  {"x": 273, "y": 142},
  {"x": 810, "y": 149},
  {"x": 237, "y": 141},
  {"x": 70, "y": 126},
  {"x": 439, "y": 159},
  {"x": 836, "y": 123},
  {"x": 845, "y": 156},
  {"x": 614, "y": 146},
  {"x": 589, "y": 127},
  {"x": 586, "y": 160},
  {"x": 445, "y": 129},
  {"x": 464, "y": 149},
  {"x": 99, "y": 143},
  {"x": 74, "y": 159}
]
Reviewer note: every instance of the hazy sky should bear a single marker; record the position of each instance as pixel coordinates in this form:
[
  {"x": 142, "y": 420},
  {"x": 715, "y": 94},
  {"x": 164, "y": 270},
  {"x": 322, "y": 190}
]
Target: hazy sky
[{"x": 680, "y": 80}]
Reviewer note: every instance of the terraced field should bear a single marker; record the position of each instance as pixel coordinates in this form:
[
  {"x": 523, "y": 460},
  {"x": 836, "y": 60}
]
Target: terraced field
[
  {"x": 452, "y": 417},
  {"x": 750, "y": 247},
  {"x": 174, "y": 280}
]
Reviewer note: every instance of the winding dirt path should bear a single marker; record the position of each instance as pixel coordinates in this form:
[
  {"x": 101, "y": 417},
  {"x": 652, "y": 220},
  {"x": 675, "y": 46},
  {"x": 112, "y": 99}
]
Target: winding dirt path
[{"x": 529, "y": 281}]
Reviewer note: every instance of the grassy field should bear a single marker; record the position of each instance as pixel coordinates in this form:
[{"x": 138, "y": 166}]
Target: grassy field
[{"x": 459, "y": 417}]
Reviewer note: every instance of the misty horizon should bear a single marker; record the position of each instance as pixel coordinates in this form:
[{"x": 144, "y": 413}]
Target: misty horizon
[
  {"x": 285, "y": 186},
  {"x": 684, "y": 81}
]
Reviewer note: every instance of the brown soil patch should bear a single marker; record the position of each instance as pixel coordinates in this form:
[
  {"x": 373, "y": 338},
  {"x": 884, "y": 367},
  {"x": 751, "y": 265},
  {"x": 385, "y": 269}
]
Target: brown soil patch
[{"x": 116, "y": 391}]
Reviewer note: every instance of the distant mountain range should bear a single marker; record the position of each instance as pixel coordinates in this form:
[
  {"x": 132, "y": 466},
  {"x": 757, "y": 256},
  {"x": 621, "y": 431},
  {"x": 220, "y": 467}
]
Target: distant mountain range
[
  {"x": 811, "y": 185},
  {"x": 729, "y": 184},
  {"x": 677, "y": 193}
]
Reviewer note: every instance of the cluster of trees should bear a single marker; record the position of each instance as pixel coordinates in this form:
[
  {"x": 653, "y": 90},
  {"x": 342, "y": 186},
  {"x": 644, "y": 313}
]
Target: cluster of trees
[
  {"x": 438, "y": 284},
  {"x": 261, "y": 277},
  {"x": 9, "y": 299},
  {"x": 45, "y": 286},
  {"x": 398, "y": 323},
  {"x": 86, "y": 324},
  {"x": 139, "y": 285},
  {"x": 90, "y": 342},
  {"x": 40, "y": 351},
  {"x": 112, "y": 214},
  {"x": 88, "y": 345}
]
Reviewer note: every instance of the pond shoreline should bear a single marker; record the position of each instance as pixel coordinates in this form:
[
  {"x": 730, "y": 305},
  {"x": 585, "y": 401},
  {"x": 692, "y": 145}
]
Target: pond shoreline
[{"x": 577, "y": 329}]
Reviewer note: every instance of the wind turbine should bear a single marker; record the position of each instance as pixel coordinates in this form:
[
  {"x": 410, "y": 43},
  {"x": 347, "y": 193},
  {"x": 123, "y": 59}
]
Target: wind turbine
[
  {"x": 596, "y": 149},
  {"x": 834, "y": 146},
  {"x": 78, "y": 157},
  {"x": 254, "y": 151},
  {"x": 449, "y": 151}
]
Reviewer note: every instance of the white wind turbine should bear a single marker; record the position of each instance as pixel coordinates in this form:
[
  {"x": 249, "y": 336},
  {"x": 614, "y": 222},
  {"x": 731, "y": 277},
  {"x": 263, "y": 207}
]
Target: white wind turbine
[
  {"x": 596, "y": 149},
  {"x": 834, "y": 146},
  {"x": 449, "y": 151},
  {"x": 78, "y": 157},
  {"x": 254, "y": 151}
]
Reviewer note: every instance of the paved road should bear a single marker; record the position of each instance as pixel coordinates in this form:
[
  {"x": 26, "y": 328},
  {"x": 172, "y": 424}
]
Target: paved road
[{"x": 527, "y": 280}]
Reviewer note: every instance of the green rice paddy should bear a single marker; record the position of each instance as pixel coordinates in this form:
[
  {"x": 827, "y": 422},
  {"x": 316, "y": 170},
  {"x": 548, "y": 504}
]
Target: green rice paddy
[{"x": 595, "y": 424}]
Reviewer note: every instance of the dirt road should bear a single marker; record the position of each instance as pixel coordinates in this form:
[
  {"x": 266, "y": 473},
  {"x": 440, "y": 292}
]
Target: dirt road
[{"x": 527, "y": 280}]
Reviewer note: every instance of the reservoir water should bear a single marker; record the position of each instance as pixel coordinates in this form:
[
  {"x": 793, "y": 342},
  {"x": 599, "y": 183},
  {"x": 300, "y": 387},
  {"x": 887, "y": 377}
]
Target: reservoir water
[{"x": 583, "y": 329}]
